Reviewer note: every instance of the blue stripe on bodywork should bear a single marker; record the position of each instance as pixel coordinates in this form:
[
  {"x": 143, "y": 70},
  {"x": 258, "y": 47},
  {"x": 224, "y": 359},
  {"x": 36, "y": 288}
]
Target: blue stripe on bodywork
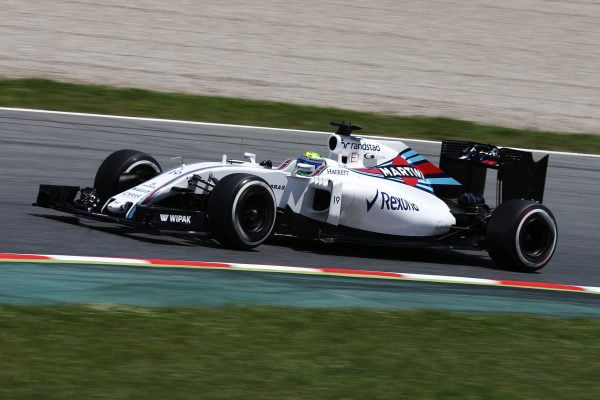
[
  {"x": 424, "y": 187},
  {"x": 443, "y": 181},
  {"x": 408, "y": 154},
  {"x": 416, "y": 158}
]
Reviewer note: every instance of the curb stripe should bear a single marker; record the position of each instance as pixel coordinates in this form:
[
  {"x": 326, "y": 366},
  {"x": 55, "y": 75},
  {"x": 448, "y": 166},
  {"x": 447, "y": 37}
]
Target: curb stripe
[
  {"x": 100, "y": 260},
  {"x": 591, "y": 289},
  {"x": 358, "y": 272},
  {"x": 353, "y": 273},
  {"x": 10, "y": 256},
  {"x": 182, "y": 263},
  {"x": 451, "y": 279},
  {"x": 277, "y": 268},
  {"x": 542, "y": 285}
]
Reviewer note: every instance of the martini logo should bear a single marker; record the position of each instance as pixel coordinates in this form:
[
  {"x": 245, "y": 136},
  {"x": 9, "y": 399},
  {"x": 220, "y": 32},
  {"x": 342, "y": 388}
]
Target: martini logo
[
  {"x": 393, "y": 171},
  {"x": 176, "y": 219},
  {"x": 389, "y": 202}
]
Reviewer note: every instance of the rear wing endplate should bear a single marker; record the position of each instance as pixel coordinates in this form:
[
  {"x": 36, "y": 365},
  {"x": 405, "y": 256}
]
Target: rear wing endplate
[{"x": 519, "y": 176}]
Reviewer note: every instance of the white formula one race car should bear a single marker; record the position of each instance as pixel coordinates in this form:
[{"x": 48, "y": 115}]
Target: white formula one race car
[{"x": 373, "y": 192}]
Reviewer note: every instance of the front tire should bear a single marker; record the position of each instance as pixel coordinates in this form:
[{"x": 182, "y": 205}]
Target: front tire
[
  {"x": 123, "y": 170},
  {"x": 521, "y": 235},
  {"x": 241, "y": 211}
]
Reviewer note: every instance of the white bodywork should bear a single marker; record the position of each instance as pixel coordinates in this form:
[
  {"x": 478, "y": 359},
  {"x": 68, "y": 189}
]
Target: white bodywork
[{"x": 371, "y": 188}]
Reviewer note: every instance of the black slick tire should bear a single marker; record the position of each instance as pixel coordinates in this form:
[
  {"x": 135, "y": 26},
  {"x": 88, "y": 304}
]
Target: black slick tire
[
  {"x": 241, "y": 211},
  {"x": 521, "y": 235},
  {"x": 123, "y": 170}
]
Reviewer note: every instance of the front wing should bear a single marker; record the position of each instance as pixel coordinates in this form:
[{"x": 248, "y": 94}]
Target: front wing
[{"x": 147, "y": 217}]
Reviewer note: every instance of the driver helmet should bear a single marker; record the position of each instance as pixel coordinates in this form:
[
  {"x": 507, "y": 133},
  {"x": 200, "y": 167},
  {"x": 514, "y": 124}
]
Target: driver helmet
[{"x": 308, "y": 163}]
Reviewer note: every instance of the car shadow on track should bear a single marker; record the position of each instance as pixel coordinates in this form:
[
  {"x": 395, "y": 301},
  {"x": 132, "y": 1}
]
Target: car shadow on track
[
  {"x": 407, "y": 254},
  {"x": 130, "y": 232}
]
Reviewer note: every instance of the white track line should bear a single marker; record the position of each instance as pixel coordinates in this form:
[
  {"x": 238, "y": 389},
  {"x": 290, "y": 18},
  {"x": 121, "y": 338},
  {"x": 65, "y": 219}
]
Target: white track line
[
  {"x": 276, "y": 268},
  {"x": 591, "y": 289},
  {"x": 442, "y": 278},
  {"x": 176, "y": 121},
  {"x": 112, "y": 260}
]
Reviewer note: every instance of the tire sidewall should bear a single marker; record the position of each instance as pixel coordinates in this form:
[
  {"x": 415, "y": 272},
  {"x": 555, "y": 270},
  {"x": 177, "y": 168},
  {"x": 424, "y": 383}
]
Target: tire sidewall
[
  {"x": 223, "y": 206},
  {"x": 107, "y": 177},
  {"x": 145, "y": 161},
  {"x": 503, "y": 235},
  {"x": 550, "y": 224}
]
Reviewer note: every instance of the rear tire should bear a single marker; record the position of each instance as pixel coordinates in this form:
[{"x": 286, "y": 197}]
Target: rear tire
[
  {"x": 123, "y": 170},
  {"x": 241, "y": 211},
  {"x": 521, "y": 235}
]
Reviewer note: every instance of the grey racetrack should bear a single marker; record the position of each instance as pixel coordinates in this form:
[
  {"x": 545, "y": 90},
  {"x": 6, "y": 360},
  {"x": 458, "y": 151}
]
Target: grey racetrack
[{"x": 67, "y": 149}]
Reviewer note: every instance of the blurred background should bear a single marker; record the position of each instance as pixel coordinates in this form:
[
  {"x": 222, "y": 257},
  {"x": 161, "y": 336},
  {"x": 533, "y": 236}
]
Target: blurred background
[{"x": 523, "y": 63}]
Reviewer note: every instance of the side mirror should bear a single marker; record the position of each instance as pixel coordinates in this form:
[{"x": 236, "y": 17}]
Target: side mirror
[{"x": 250, "y": 157}]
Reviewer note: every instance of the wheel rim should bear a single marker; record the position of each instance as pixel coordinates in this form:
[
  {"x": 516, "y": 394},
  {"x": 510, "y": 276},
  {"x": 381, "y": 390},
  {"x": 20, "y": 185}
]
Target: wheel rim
[
  {"x": 143, "y": 172},
  {"x": 140, "y": 172},
  {"x": 253, "y": 212},
  {"x": 536, "y": 238}
]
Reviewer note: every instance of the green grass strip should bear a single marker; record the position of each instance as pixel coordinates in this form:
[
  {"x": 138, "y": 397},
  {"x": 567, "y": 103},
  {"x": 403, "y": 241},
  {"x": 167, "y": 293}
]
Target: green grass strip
[
  {"x": 50, "y": 95},
  {"x": 117, "y": 352}
]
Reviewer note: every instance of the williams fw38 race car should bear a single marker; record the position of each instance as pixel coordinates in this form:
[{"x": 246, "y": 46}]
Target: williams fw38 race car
[{"x": 371, "y": 192}]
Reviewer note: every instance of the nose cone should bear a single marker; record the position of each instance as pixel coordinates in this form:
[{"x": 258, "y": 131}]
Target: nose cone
[{"x": 117, "y": 208}]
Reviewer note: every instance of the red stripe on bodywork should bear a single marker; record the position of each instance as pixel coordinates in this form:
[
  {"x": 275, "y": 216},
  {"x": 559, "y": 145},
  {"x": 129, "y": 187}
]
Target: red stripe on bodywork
[
  {"x": 285, "y": 164},
  {"x": 360, "y": 272},
  {"x": 319, "y": 170},
  {"x": 428, "y": 168},
  {"x": 371, "y": 170},
  {"x": 399, "y": 160},
  {"x": 410, "y": 181},
  {"x": 542, "y": 285},
  {"x": 9, "y": 256},
  {"x": 184, "y": 263}
]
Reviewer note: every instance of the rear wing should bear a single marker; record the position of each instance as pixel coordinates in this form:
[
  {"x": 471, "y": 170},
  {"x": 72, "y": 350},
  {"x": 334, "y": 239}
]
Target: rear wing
[{"x": 519, "y": 176}]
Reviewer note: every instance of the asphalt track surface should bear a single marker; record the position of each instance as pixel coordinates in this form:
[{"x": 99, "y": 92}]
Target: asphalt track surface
[{"x": 67, "y": 149}]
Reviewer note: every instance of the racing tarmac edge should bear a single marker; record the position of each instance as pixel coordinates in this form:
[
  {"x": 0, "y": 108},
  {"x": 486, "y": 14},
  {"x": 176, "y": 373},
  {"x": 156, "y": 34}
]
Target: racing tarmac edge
[{"x": 41, "y": 111}]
